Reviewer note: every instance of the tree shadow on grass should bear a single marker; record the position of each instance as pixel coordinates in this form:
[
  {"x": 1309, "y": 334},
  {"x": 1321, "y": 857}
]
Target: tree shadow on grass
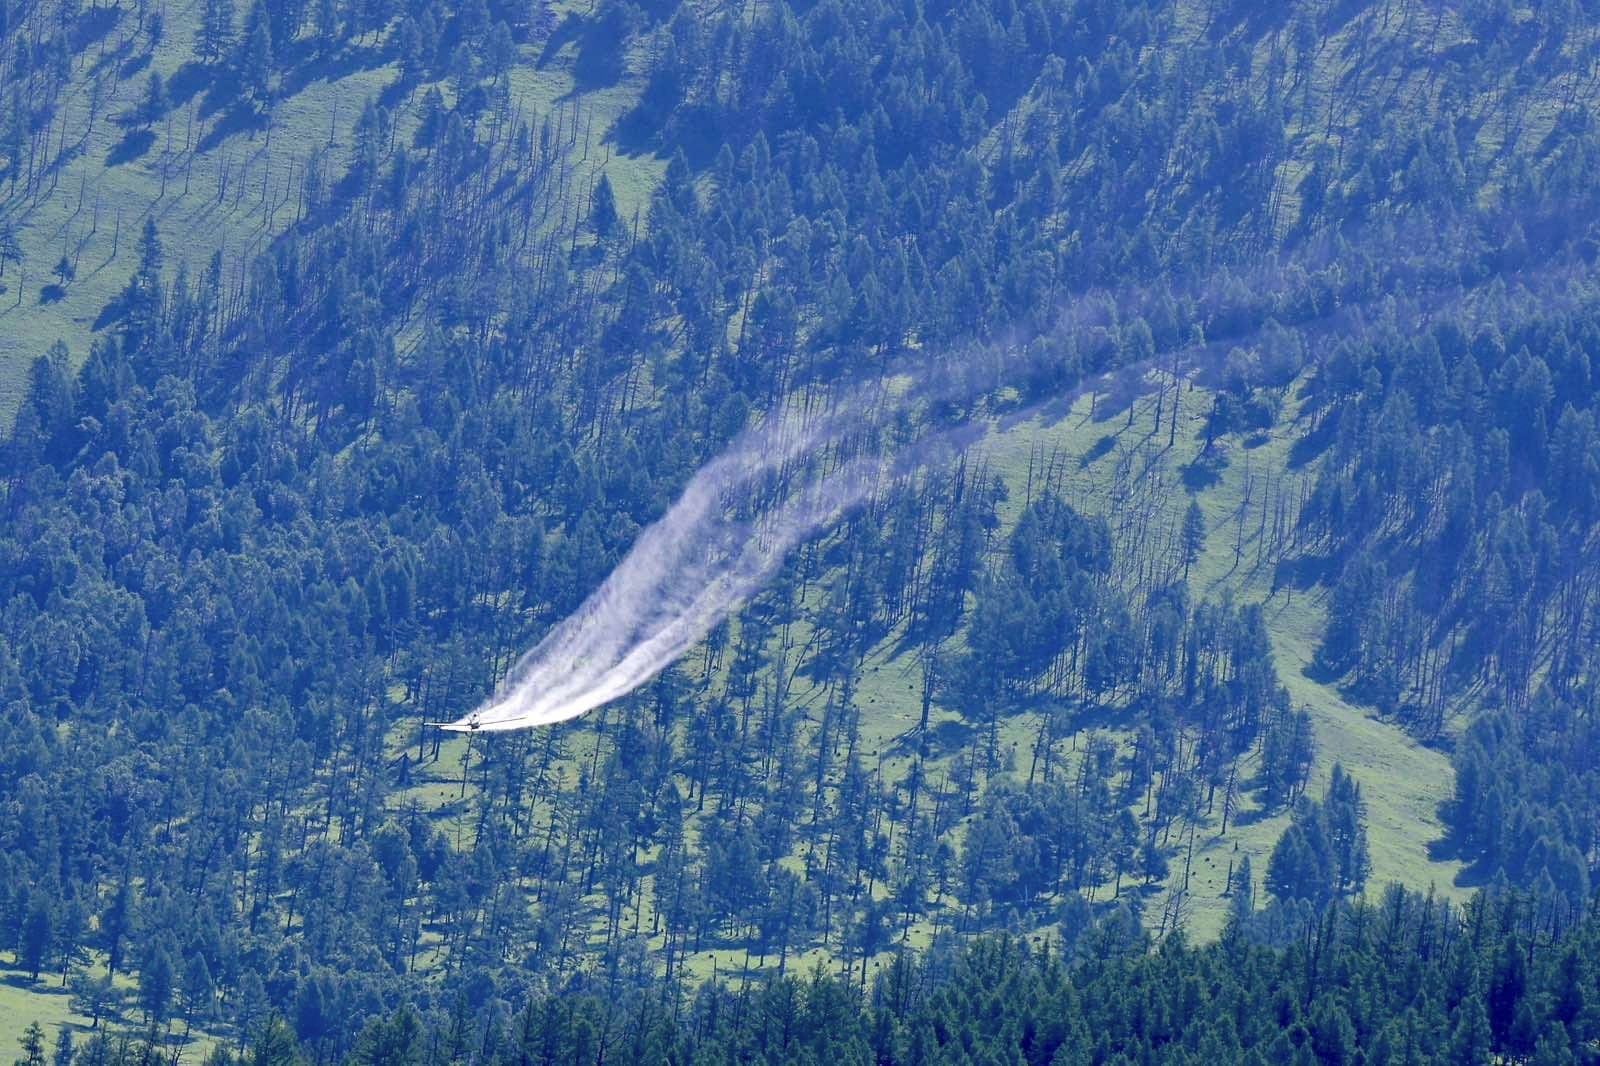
[
  {"x": 945, "y": 737},
  {"x": 1302, "y": 572},
  {"x": 136, "y": 65},
  {"x": 1327, "y": 676},
  {"x": 188, "y": 81},
  {"x": 1310, "y": 445},
  {"x": 1098, "y": 450},
  {"x": 52, "y": 294},
  {"x": 1115, "y": 396},
  {"x": 112, "y": 57},
  {"x": 1448, "y": 847},
  {"x": 394, "y": 92},
  {"x": 242, "y": 117},
  {"x": 602, "y": 54},
  {"x": 1253, "y": 18},
  {"x": 1253, "y": 815},
  {"x": 114, "y": 311},
  {"x": 1206, "y": 469},
  {"x": 566, "y": 32},
  {"x": 693, "y": 129},
  {"x": 134, "y": 144},
  {"x": 92, "y": 26},
  {"x": 308, "y": 65},
  {"x": 19, "y": 978}
]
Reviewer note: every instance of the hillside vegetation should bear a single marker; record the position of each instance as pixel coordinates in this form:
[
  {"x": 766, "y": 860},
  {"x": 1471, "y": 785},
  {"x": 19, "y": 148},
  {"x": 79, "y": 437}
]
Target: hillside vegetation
[
  {"x": 1271, "y": 579},
  {"x": 122, "y": 114}
]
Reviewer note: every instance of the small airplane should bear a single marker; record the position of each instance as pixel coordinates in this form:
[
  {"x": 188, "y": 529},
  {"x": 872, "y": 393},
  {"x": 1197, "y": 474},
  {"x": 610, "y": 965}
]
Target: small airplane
[{"x": 471, "y": 725}]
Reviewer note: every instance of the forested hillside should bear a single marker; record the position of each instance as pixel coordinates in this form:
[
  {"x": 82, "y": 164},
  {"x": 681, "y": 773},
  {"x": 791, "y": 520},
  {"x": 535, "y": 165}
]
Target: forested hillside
[
  {"x": 1407, "y": 981},
  {"x": 1268, "y": 572}
]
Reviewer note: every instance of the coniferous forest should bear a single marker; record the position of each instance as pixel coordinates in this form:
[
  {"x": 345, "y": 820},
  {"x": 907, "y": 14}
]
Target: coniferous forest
[{"x": 1223, "y": 688}]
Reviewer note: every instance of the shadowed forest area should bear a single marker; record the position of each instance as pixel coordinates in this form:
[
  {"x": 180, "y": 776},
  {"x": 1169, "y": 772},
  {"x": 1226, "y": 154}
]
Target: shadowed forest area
[{"x": 1227, "y": 695}]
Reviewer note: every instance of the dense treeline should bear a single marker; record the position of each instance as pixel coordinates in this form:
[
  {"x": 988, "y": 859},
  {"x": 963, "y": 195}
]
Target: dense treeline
[
  {"x": 276, "y": 522},
  {"x": 1526, "y": 792},
  {"x": 1404, "y": 981}
]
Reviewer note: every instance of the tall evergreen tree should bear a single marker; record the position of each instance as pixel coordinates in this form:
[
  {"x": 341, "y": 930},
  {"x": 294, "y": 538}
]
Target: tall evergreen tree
[{"x": 214, "y": 37}]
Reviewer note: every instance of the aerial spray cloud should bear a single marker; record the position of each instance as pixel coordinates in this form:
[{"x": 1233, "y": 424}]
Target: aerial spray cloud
[
  {"x": 792, "y": 475},
  {"x": 685, "y": 574},
  {"x": 617, "y": 642},
  {"x": 729, "y": 531},
  {"x": 720, "y": 541}
]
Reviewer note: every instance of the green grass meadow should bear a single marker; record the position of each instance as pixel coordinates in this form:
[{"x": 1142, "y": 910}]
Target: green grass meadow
[{"x": 213, "y": 179}]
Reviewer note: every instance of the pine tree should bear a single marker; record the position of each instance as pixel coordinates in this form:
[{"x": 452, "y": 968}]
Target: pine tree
[
  {"x": 1345, "y": 813},
  {"x": 143, "y": 298},
  {"x": 396, "y": 1041},
  {"x": 155, "y": 100},
  {"x": 1194, "y": 536},
  {"x": 38, "y": 930},
  {"x": 1471, "y": 1039},
  {"x": 198, "y": 988},
  {"x": 275, "y": 1045},
  {"x": 32, "y": 1041},
  {"x": 65, "y": 1050},
  {"x": 92, "y": 996},
  {"x": 502, "y": 51},
  {"x": 603, "y": 208},
  {"x": 431, "y": 119},
  {"x": 326, "y": 20},
  {"x": 253, "y": 58},
  {"x": 472, "y": 22},
  {"x": 413, "y": 58},
  {"x": 116, "y": 923},
  {"x": 1292, "y": 870},
  {"x": 215, "y": 36},
  {"x": 155, "y": 985}
]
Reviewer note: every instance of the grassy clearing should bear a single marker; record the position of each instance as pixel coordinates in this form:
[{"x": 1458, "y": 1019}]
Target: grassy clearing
[
  {"x": 24, "y": 1001},
  {"x": 1403, "y": 781},
  {"x": 211, "y": 181},
  {"x": 215, "y": 181}
]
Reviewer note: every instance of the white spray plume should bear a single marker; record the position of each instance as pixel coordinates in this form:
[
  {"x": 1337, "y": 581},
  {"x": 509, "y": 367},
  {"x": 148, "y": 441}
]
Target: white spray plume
[
  {"x": 703, "y": 559},
  {"x": 707, "y": 555},
  {"x": 684, "y": 574}
]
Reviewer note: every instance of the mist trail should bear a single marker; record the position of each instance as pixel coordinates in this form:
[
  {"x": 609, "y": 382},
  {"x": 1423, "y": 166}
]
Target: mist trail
[
  {"x": 662, "y": 599},
  {"x": 706, "y": 556},
  {"x": 697, "y": 562},
  {"x": 787, "y": 478},
  {"x": 698, "y": 598}
]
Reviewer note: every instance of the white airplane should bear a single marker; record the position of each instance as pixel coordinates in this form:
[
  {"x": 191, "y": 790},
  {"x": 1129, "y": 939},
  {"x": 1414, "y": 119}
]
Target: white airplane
[{"x": 471, "y": 725}]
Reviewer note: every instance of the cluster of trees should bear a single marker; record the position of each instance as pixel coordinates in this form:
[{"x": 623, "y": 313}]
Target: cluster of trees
[
  {"x": 1457, "y": 503},
  {"x": 468, "y": 43},
  {"x": 1527, "y": 794},
  {"x": 67, "y": 69},
  {"x": 1322, "y": 856},
  {"x": 278, "y": 521},
  {"x": 1407, "y": 980},
  {"x": 1052, "y": 619},
  {"x": 1460, "y": 492}
]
